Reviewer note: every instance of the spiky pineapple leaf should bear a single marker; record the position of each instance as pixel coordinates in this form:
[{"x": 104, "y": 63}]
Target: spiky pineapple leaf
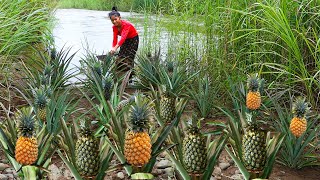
[
  {"x": 179, "y": 167},
  {"x": 238, "y": 162},
  {"x": 72, "y": 168}
]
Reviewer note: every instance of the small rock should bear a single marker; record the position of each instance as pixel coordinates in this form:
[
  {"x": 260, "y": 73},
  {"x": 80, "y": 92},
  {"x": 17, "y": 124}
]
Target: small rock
[
  {"x": 224, "y": 166},
  {"x": 237, "y": 172},
  {"x": 169, "y": 171},
  {"x": 163, "y": 154},
  {"x": 282, "y": 172},
  {"x": 3, "y": 177},
  {"x": 9, "y": 171},
  {"x": 213, "y": 178},
  {"x": 163, "y": 164},
  {"x": 237, "y": 177},
  {"x": 4, "y": 166},
  {"x": 55, "y": 173},
  {"x": 10, "y": 176},
  {"x": 217, "y": 171},
  {"x": 159, "y": 171},
  {"x": 120, "y": 175}
]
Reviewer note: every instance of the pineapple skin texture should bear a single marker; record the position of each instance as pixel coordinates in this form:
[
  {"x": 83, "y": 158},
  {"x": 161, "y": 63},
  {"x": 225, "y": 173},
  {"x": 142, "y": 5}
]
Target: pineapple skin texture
[
  {"x": 194, "y": 154},
  {"x": 167, "y": 108},
  {"x": 298, "y": 126},
  {"x": 137, "y": 148},
  {"x": 253, "y": 100},
  {"x": 87, "y": 156},
  {"x": 42, "y": 114},
  {"x": 254, "y": 149},
  {"x": 26, "y": 152}
]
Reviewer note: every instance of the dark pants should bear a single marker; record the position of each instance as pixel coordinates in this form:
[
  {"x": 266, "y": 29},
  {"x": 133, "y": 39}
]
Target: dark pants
[{"x": 127, "y": 53}]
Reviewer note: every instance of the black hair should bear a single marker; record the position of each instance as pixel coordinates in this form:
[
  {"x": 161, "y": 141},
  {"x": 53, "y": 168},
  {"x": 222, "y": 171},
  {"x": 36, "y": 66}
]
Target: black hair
[{"x": 114, "y": 12}]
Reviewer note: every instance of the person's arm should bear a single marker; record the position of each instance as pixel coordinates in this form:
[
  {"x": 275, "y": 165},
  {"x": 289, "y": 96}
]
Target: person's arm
[
  {"x": 115, "y": 37},
  {"x": 115, "y": 41}
]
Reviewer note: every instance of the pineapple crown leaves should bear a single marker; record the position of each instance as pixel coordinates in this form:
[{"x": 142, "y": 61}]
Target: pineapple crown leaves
[
  {"x": 140, "y": 113},
  {"x": 85, "y": 130},
  {"x": 40, "y": 96},
  {"x": 47, "y": 70},
  {"x": 26, "y": 124},
  {"x": 107, "y": 84},
  {"x": 194, "y": 125},
  {"x": 300, "y": 107},
  {"x": 254, "y": 83},
  {"x": 173, "y": 83}
]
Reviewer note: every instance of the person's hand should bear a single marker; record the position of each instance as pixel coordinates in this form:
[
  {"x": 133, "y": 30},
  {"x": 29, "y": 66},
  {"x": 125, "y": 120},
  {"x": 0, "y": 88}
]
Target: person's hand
[{"x": 113, "y": 50}]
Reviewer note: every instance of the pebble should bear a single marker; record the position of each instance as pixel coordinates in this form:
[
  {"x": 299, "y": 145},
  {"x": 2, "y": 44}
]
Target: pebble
[
  {"x": 3, "y": 177},
  {"x": 10, "y": 176},
  {"x": 213, "y": 178},
  {"x": 217, "y": 170},
  {"x": 163, "y": 164},
  {"x": 237, "y": 177},
  {"x": 169, "y": 171},
  {"x": 237, "y": 172},
  {"x": 3, "y": 166},
  {"x": 224, "y": 166},
  {"x": 120, "y": 175}
]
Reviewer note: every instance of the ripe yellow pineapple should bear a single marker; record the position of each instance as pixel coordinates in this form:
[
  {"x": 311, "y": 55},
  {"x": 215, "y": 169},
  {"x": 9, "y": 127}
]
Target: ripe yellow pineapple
[
  {"x": 137, "y": 148},
  {"x": 253, "y": 100},
  {"x": 26, "y": 151},
  {"x": 298, "y": 123}
]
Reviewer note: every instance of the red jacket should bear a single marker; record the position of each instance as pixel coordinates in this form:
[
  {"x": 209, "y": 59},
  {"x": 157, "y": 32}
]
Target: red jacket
[{"x": 127, "y": 31}]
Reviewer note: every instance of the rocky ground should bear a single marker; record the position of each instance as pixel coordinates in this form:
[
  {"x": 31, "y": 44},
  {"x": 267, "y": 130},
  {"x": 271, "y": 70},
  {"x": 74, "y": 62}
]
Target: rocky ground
[{"x": 164, "y": 169}]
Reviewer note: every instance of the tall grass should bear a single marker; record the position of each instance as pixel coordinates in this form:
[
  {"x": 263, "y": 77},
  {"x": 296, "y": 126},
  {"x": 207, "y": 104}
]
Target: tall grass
[
  {"x": 123, "y": 5},
  {"x": 234, "y": 38},
  {"x": 23, "y": 23}
]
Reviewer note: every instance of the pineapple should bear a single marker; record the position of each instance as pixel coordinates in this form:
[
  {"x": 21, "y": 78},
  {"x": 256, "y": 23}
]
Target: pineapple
[
  {"x": 253, "y": 100},
  {"x": 167, "y": 107},
  {"x": 254, "y": 147},
  {"x": 107, "y": 84},
  {"x": 41, "y": 101},
  {"x": 194, "y": 151},
  {"x": 26, "y": 152},
  {"x": 87, "y": 152},
  {"x": 298, "y": 123},
  {"x": 137, "y": 148}
]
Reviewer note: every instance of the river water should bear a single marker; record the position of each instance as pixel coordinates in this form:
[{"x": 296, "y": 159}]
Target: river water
[{"x": 84, "y": 29}]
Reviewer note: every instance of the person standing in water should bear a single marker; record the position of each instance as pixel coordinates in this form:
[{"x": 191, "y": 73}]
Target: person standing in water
[{"x": 128, "y": 43}]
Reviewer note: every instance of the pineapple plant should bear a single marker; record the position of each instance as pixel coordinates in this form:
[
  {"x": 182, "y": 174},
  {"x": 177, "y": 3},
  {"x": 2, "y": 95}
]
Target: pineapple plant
[
  {"x": 137, "y": 146},
  {"x": 87, "y": 152},
  {"x": 254, "y": 150},
  {"x": 40, "y": 101},
  {"x": 253, "y": 99},
  {"x": 26, "y": 150},
  {"x": 298, "y": 123},
  {"x": 194, "y": 151}
]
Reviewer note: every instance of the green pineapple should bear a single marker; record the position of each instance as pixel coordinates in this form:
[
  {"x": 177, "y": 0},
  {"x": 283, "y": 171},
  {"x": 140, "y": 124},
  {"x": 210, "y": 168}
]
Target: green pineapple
[
  {"x": 254, "y": 147},
  {"x": 87, "y": 152},
  {"x": 41, "y": 100},
  {"x": 167, "y": 106},
  {"x": 107, "y": 84},
  {"x": 194, "y": 151}
]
